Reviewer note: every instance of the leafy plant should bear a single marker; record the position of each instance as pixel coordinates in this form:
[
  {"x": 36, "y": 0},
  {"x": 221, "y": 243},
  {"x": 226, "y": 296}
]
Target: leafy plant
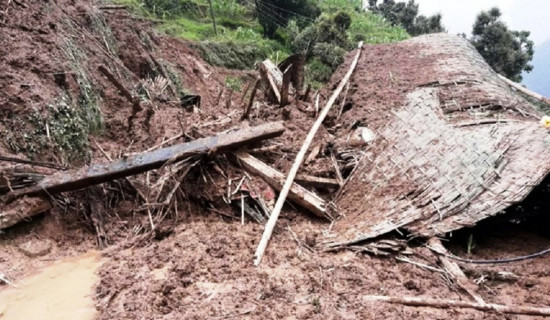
[
  {"x": 233, "y": 83},
  {"x": 508, "y": 52}
]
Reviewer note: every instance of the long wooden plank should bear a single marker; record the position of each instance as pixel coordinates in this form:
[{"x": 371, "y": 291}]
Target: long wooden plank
[
  {"x": 99, "y": 173},
  {"x": 298, "y": 161},
  {"x": 276, "y": 179}
]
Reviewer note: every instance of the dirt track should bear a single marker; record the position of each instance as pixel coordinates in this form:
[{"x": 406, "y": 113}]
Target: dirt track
[{"x": 198, "y": 265}]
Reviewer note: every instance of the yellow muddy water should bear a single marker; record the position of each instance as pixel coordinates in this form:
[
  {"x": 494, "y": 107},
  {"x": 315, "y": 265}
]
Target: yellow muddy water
[{"x": 63, "y": 290}]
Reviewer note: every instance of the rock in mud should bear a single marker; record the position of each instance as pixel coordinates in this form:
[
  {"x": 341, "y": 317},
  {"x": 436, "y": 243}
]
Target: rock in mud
[{"x": 35, "y": 248}]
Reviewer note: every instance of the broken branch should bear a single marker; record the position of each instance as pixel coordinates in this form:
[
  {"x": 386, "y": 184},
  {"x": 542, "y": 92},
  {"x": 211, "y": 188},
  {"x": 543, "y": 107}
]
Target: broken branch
[
  {"x": 454, "y": 270},
  {"x": 444, "y": 303}
]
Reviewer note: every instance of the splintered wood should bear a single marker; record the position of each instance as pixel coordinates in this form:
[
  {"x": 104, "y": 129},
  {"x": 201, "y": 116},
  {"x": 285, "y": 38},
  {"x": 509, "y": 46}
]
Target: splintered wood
[{"x": 275, "y": 179}]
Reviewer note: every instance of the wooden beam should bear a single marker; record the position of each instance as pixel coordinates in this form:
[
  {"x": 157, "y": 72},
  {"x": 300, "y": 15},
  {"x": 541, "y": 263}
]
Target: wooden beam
[
  {"x": 298, "y": 161},
  {"x": 317, "y": 182},
  {"x": 528, "y": 92},
  {"x": 99, "y": 173},
  {"x": 22, "y": 209},
  {"x": 276, "y": 179},
  {"x": 273, "y": 77},
  {"x": 444, "y": 304},
  {"x": 287, "y": 75}
]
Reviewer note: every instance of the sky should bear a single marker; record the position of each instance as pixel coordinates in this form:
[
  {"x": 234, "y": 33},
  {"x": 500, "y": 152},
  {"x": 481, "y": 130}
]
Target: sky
[{"x": 459, "y": 15}]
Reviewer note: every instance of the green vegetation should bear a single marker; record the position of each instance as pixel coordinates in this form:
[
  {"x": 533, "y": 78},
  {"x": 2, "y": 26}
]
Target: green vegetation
[
  {"x": 507, "y": 51},
  {"x": 406, "y": 15},
  {"x": 233, "y": 83},
  {"x": 274, "y": 29},
  {"x": 63, "y": 129}
]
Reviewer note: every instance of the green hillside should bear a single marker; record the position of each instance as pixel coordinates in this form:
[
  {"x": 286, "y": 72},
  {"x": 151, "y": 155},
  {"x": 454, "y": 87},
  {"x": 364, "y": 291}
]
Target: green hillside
[{"x": 240, "y": 42}]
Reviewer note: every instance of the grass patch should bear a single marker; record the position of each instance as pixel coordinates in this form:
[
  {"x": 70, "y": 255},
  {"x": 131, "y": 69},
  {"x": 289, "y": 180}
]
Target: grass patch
[{"x": 239, "y": 43}]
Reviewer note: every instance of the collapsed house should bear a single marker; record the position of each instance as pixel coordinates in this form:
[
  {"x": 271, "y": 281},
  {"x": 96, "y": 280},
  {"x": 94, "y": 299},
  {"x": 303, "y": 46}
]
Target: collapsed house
[{"x": 457, "y": 145}]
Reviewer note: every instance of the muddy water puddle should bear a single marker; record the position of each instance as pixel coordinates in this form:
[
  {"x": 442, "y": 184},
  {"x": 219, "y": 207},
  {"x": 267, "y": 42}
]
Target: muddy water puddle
[{"x": 63, "y": 290}]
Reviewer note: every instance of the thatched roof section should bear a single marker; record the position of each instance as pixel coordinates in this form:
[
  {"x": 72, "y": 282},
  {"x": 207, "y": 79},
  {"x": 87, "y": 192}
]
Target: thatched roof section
[{"x": 461, "y": 146}]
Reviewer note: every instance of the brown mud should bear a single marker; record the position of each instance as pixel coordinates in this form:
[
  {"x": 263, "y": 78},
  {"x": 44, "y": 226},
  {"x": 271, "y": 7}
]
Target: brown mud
[{"x": 198, "y": 263}]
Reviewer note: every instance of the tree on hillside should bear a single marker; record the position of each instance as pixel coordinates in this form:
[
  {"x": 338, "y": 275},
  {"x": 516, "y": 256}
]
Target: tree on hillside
[
  {"x": 406, "y": 15},
  {"x": 324, "y": 43},
  {"x": 508, "y": 52},
  {"x": 273, "y": 14}
]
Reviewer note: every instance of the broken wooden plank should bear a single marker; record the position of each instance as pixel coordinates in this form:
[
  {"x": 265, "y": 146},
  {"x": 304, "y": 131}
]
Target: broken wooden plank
[
  {"x": 276, "y": 179},
  {"x": 99, "y": 173},
  {"x": 287, "y": 75},
  {"x": 22, "y": 209},
  {"x": 299, "y": 159},
  {"x": 317, "y": 182},
  {"x": 273, "y": 77},
  {"x": 444, "y": 303}
]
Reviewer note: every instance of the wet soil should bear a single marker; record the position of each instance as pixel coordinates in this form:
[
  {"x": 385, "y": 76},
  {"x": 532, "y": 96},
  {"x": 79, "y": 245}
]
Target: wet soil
[{"x": 198, "y": 264}]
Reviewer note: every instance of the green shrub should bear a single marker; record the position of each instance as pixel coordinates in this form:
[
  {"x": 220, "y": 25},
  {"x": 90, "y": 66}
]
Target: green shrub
[{"x": 329, "y": 54}]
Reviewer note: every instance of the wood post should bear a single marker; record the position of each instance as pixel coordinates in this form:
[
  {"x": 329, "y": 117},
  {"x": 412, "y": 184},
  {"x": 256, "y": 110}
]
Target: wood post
[
  {"x": 246, "y": 112},
  {"x": 213, "y": 17}
]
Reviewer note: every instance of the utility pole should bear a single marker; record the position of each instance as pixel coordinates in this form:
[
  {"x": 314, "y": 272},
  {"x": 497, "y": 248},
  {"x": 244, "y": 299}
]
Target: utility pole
[{"x": 213, "y": 18}]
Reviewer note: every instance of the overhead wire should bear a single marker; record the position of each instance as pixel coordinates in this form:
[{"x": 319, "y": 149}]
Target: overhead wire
[
  {"x": 273, "y": 6},
  {"x": 270, "y": 16},
  {"x": 270, "y": 10}
]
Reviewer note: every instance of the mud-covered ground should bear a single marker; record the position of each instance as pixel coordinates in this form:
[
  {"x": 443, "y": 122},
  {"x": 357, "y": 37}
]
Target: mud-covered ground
[{"x": 198, "y": 262}]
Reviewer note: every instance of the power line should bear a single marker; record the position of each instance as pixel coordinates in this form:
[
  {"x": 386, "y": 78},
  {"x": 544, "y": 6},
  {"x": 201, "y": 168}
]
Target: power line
[
  {"x": 289, "y": 11},
  {"x": 278, "y": 21},
  {"x": 271, "y": 8}
]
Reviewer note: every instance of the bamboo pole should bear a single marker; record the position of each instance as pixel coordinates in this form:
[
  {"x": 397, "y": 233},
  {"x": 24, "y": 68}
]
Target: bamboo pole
[
  {"x": 444, "y": 303},
  {"x": 528, "y": 92},
  {"x": 298, "y": 162}
]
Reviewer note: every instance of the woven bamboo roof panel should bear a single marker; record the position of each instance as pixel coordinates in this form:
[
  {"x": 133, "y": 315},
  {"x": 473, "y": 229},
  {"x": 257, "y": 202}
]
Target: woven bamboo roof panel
[{"x": 460, "y": 147}]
